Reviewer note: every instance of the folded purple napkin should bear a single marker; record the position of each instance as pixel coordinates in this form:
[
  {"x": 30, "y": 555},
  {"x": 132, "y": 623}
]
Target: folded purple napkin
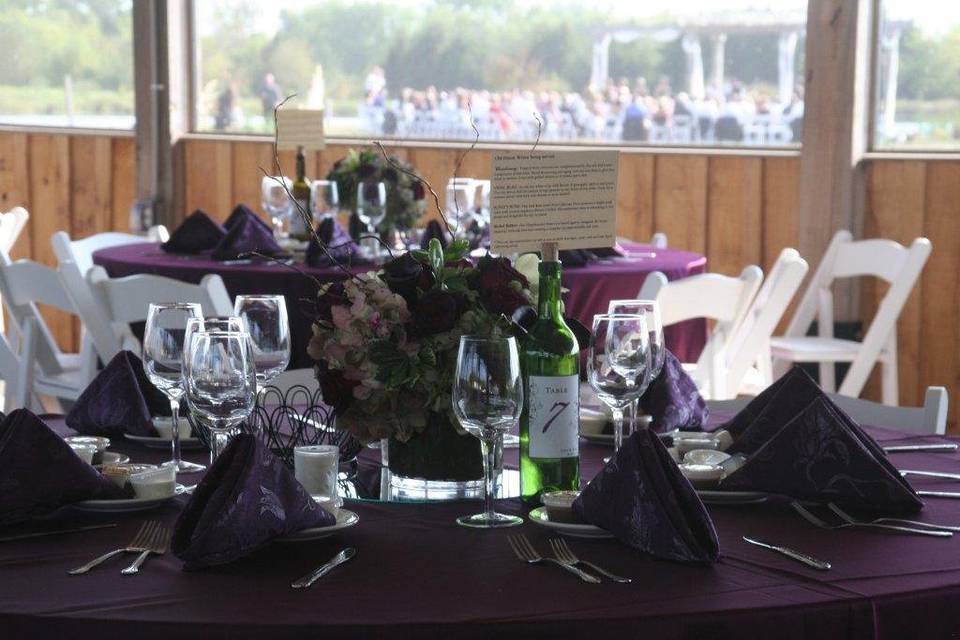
[
  {"x": 121, "y": 399},
  {"x": 40, "y": 473},
  {"x": 240, "y": 212},
  {"x": 672, "y": 399},
  {"x": 434, "y": 230},
  {"x": 641, "y": 497},
  {"x": 247, "y": 234},
  {"x": 802, "y": 445},
  {"x": 340, "y": 246},
  {"x": 197, "y": 233},
  {"x": 246, "y": 499}
]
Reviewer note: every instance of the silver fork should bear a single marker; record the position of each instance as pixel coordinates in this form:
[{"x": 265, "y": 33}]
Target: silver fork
[
  {"x": 525, "y": 551},
  {"x": 563, "y": 553},
  {"x": 817, "y": 522},
  {"x": 136, "y": 545},
  {"x": 879, "y": 521},
  {"x": 158, "y": 544}
]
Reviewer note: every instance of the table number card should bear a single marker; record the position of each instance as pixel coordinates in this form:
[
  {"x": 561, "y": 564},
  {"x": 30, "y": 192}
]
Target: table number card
[
  {"x": 565, "y": 197},
  {"x": 300, "y": 128}
]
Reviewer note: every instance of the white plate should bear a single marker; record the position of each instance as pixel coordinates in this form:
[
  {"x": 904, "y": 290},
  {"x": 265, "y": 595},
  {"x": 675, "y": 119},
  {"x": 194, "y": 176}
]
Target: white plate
[
  {"x": 124, "y": 505},
  {"x": 539, "y": 517},
  {"x": 713, "y": 496},
  {"x": 156, "y": 442},
  {"x": 113, "y": 457},
  {"x": 345, "y": 519}
]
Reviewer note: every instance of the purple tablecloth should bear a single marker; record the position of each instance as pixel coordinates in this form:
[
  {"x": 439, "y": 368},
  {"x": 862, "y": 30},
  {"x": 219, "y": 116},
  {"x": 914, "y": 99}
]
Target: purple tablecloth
[
  {"x": 591, "y": 287},
  {"x": 417, "y": 574}
]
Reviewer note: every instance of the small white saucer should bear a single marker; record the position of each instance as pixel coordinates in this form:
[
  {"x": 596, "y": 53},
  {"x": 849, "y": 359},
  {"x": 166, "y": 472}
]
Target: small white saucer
[
  {"x": 156, "y": 442},
  {"x": 124, "y": 505},
  {"x": 345, "y": 520},
  {"x": 539, "y": 517}
]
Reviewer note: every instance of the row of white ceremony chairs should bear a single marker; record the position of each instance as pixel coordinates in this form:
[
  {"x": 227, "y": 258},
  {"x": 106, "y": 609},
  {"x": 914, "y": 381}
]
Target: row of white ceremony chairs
[{"x": 742, "y": 356}]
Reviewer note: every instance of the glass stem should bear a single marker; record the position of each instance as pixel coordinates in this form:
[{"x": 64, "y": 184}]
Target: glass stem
[
  {"x": 218, "y": 441},
  {"x": 617, "y": 427},
  {"x": 488, "y": 446},
  {"x": 630, "y": 413},
  {"x": 175, "y": 428}
]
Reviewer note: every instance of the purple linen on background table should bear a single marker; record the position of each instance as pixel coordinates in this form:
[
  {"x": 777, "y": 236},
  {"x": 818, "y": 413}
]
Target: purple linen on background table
[
  {"x": 121, "y": 399},
  {"x": 239, "y": 213},
  {"x": 641, "y": 497},
  {"x": 199, "y": 232},
  {"x": 39, "y": 472},
  {"x": 248, "y": 234},
  {"x": 673, "y": 400},
  {"x": 247, "y": 499},
  {"x": 434, "y": 230},
  {"x": 340, "y": 246}
]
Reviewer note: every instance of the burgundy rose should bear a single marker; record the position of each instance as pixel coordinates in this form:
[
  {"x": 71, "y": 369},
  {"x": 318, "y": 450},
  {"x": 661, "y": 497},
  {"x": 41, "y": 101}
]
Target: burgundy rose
[
  {"x": 337, "y": 389},
  {"x": 366, "y": 170},
  {"x": 404, "y": 275},
  {"x": 437, "y": 311},
  {"x": 333, "y": 296},
  {"x": 419, "y": 192},
  {"x": 462, "y": 263},
  {"x": 504, "y": 299},
  {"x": 496, "y": 273}
]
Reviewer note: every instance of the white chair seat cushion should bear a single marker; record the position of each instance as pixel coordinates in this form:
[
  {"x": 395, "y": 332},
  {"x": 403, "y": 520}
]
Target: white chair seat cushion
[{"x": 815, "y": 349}]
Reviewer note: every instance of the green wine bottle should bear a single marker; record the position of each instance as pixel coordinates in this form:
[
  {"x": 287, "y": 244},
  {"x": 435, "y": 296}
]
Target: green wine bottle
[
  {"x": 301, "y": 193},
  {"x": 549, "y": 424}
]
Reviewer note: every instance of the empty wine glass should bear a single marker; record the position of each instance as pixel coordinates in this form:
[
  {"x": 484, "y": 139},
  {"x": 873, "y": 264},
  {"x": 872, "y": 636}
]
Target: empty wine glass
[
  {"x": 163, "y": 344},
  {"x": 220, "y": 381},
  {"x": 275, "y": 199},
  {"x": 619, "y": 356},
  {"x": 324, "y": 199},
  {"x": 487, "y": 400},
  {"x": 264, "y": 318},
  {"x": 372, "y": 209},
  {"x": 458, "y": 205},
  {"x": 223, "y": 323},
  {"x": 650, "y": 311}
]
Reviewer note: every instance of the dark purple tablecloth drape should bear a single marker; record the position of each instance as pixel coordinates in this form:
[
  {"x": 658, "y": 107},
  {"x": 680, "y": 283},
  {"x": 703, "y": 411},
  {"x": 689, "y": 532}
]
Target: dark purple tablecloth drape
[
  {"x": 591, "y": 287},
  {"x": 418, "y": 574}
]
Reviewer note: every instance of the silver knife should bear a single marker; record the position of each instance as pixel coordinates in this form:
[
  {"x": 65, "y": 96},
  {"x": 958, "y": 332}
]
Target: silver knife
[
  {"x": 40, "y": 534},
  {"x": 931, "y": 474},
  {"x": 810, "y": 561},
  {"x": 313, "y": 576},
  {"x": 939, "y": 494},
  {"x": 900, "y": 448}
]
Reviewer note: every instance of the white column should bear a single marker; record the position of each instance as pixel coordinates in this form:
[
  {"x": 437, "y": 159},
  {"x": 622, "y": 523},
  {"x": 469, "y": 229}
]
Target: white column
[
  {"x": 600, "y": 67},
  {"x": 890, "y": 49},
  {"x": 691, "y": 47},
  {"x": 719, "y": 47},
  {"x": 786, "y": 61}
]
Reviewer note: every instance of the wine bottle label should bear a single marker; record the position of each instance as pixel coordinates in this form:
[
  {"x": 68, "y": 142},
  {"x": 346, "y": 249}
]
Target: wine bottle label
[
  {"x": 297, "y": 226},
  {"x": 554, "y": 416}
]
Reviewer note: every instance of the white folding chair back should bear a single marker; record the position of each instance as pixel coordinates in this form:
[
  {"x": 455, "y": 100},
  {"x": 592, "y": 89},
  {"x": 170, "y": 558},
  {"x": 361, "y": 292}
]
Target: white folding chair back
[
  {"x": 12, "y": 224},
  {"x": 659, "y": 240},
  {"x": 885, "y": 259},
  {"x": 80, "y": 252},
  {"x": 97, "y": 324},
  {"x": 930, "y": 419},
  {"x": 295, "y": 378},
  {"x": 708, "y": 295},
  {"x": 749, "y": 345},
  {"x": 126, "y": 300}
]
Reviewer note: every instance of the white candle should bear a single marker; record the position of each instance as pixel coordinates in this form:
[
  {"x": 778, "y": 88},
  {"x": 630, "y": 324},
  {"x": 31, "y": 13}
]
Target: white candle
[{"x": 315, "y": 467}]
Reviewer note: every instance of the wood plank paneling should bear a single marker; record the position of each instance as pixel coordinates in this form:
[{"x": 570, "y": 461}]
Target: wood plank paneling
[
  {"x": 635, "y": 197},
  {"x": 734, "y": 208},
  {"x": 209, "y": 177},
  {"x": 124, "y": 181},
  {"x": 680, "y": 201},
  {"x": 15, "y": 184},
  {"x": 91, "y": 187},
  {"x": 248, "y": 160},
  {"x": 781, "y": 208}
]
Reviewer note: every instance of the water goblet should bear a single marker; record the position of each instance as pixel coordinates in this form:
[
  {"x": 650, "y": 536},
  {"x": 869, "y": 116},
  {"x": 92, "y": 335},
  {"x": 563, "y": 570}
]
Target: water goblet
[
  {"x": 324, "y": 199},
  {"x": 372, "y": 209},
  {"x": 264, "y": 318},
  {"x": 650, "y": 310},
  {"x": 275, "y": 199}
]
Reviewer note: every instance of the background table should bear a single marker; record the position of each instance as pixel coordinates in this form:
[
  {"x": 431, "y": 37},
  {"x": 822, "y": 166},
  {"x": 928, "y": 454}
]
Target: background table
[
  {"x": 418, "y": 574},
  {"x": 590, "y": 287}
]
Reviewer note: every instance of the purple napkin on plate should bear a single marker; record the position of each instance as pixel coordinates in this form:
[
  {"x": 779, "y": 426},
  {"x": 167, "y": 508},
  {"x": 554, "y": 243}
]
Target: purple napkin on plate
[
  {"x": 246, "y": 499},
  {"x": 197, "y": 233},
  {"x": 340, "y": 246},
  {"x": 239, "y": 213},
  {"x": 673, "y": 400},
  {"x": 40, "y": 473},
  {"x": 802, "y": 445},
  {"x": 434, "y": 230},
  {"x": 121, "y": 399},
  {"x": 641, "y": 497},
  {"x": 247, "y": 234}
]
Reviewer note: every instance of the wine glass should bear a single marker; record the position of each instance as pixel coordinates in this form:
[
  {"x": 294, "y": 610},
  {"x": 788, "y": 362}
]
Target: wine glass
[
  {"x": 487, "y": 400},
  {"x": 223, "y": 323},
  {"x": 650, "y": 310},
  {"x": 324, "y": 199},
  {"x": 220, "y": 381},
  {"x": 458, "y": 205},
  {"x": 163, "y": 344},
  {"x": 275, "y": 199},
  {"x": 372, "y": 209},
  {"x": 264, "y": 318},
  {"x": 619, "y": 356}
]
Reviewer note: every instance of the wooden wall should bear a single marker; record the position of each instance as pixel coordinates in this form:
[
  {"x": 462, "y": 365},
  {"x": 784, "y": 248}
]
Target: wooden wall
[{"x": 737, "y": 209}]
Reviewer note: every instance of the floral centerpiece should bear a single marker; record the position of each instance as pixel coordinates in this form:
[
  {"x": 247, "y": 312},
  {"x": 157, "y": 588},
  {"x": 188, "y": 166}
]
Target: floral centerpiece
[
  {"x": 405, "y": 192},
  {"x": 386, "y": 342}
]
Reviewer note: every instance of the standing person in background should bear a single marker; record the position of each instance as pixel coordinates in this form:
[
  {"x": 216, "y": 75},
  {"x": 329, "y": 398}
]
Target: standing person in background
[
  {"x": 226, "y": 103},
  {"x": 270, "y": 96}
]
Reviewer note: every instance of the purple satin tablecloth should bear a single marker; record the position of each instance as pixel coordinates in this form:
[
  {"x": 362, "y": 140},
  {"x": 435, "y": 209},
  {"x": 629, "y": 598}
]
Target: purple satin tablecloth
[
  {"x": 591, "y": 287},
  {"x": 418, "y": 574}
]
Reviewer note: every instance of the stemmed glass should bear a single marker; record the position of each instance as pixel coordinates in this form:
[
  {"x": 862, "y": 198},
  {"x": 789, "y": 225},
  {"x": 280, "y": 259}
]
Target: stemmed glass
[
  {"x": 163, "y": 345},
  {"x": 458, "y": 205},
  {"x": 264, "y": 318},
  {"x": 619, "y": 356},
  {"x": 324, "y": 199},
  {"x": 650, "y": 310},
  {"x": 487, "y": 400},
  {"x": 275, "y": 199},
  {"x": 220, "y": 381},
  {"x": 372, "y": 209}
]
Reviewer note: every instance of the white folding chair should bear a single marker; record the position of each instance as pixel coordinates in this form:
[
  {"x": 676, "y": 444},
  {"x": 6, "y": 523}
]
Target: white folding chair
[
  {"x": 658, "y": 240},
  {"x": 12, "y": 224},
  {"x": 707, "y": 295},
  {"x": 930, "y": 419},
  {"x": 749, "y": 346},
  {"x": 885, "y": 259},
  {"x": 295, "y": 378},
  {"x": 127, "y": 300},
  {"x": 80, "y": 252}
]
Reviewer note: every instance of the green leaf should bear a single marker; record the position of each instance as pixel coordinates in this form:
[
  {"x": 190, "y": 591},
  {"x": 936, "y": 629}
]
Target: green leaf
[
  {"x": 421, "y": 256},
  {"x": 436, "y": 256},
  {"x": 457, "y": 249}
]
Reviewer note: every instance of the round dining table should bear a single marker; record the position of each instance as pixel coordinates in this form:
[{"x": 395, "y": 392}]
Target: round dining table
[
  {"x": 417, "y": 574},
  {"x": 589, "y": 288}
]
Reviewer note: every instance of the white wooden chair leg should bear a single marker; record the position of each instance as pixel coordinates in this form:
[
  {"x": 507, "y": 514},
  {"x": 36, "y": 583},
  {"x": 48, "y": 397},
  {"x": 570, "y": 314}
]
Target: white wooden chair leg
[
  {"x": 828, "y": 377},
  {"x": 24, "y": 396},
  {"x": 890, "y": 377}
]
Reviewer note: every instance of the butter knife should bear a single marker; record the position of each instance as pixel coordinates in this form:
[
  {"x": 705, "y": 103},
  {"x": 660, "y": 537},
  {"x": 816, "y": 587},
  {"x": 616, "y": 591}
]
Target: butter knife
[
  {"x": 938, "y": 494},
  {"x": 308, "y": 580},
  {"x": 901, "y": 448},
  {"x": 930, "y": 474},
  {"x": 810, "y": 561}
]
